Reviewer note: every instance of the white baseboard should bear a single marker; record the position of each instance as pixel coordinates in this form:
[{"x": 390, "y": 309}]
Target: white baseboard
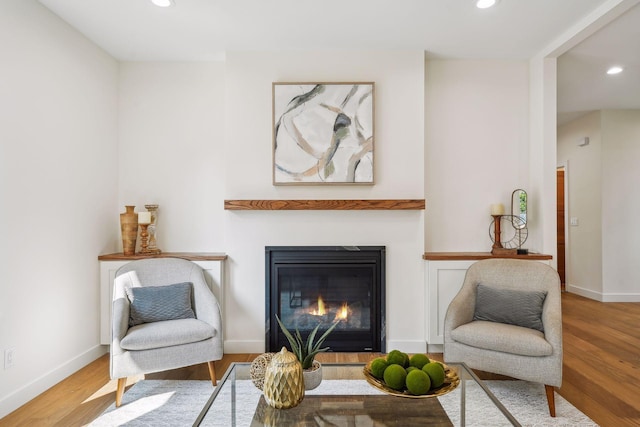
[
  {"x": 407, "y": 346},
  {"x": 603, "y": 297},
  {"x": 27, "y": 392},
  {"x": 620, "y": 297},
  {"x": 587, "y": 293},
  {"x": 435, "y": 348}
]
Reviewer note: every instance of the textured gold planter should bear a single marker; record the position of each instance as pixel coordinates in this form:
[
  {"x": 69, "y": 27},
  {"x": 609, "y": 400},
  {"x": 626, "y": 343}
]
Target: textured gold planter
[{"x": 283, "y": 381}]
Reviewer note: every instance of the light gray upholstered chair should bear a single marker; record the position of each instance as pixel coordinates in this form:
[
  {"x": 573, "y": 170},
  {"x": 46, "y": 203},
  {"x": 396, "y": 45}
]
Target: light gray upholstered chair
[
  {"x": 515, "y": 351},
  {"x": 167, "y": 344}
]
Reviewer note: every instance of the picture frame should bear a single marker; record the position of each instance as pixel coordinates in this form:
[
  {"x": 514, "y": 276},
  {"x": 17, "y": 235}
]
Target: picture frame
[{"x": 323, "y": 133}]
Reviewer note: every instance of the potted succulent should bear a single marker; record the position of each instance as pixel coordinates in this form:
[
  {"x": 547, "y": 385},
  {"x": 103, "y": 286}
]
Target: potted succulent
[{"x": 306, "y": 351}]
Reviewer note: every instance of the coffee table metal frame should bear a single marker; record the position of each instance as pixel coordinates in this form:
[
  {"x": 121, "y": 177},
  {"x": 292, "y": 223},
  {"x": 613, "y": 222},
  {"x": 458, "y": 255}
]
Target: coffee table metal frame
[{"x": 463, "y": 372}]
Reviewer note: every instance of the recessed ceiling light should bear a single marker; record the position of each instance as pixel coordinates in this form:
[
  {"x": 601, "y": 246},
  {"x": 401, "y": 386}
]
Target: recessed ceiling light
[
  {"x": 162, "y": 3},
  {"x": 614, "y": 70},
  {"x": 484, "y": 4}
]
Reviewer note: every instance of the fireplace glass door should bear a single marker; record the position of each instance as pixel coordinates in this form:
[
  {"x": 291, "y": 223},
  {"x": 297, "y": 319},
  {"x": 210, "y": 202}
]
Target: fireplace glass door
[{"x": 315, "y": 287}]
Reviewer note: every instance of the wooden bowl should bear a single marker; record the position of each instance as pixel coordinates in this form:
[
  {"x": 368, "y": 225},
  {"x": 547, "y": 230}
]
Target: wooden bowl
[{"x": 451, "y": 381}]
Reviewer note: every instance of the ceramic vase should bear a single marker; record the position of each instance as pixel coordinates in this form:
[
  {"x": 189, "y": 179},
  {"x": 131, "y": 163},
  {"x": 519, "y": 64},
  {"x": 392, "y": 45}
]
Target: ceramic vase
[
  {"x": 283, "y": 382},
  {"x": 129, "y": 229},
  {"x": 313, "y": 376}
]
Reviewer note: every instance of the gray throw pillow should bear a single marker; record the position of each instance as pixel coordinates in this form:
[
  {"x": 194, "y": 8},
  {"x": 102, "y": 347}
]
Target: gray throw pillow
[
  {"x": 157, "y": 303},
  {"x": 514, "y": 307}
]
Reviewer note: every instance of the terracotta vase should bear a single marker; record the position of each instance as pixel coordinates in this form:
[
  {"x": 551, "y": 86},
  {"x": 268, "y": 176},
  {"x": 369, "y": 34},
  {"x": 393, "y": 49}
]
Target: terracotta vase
[
  {"x": 129, "y": 228},
  {"x": 283, "y": 382}
]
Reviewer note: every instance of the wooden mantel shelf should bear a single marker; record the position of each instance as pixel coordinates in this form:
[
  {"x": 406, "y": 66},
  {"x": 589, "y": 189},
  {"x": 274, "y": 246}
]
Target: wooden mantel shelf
[
  {"x": 191, "y": 256},
  {"x": 275, "y": 205},
  {"x": 473, "y": 256}
]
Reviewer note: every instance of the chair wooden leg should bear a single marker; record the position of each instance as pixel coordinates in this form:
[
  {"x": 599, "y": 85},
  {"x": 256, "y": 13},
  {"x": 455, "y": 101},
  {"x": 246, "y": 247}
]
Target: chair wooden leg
[
  {"x": 122, "y": 383},
  {"x": 212, "y": 372},
  {"x": 551, "y": 400}
]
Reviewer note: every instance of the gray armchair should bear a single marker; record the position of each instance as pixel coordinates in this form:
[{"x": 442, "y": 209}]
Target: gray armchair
[
  {"x": 140, "y": 345},
  {"x": 516, "y": 351}
]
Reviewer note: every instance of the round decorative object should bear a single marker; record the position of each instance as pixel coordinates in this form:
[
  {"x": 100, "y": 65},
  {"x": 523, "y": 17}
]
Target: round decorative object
[
  {"x": 258, "y": 368},
  {"x": 283, "y": 382},
  {"x": 451, "y": 381},
  {"x": 513, "y": 231},
  {"x": 313, "y": 376}
]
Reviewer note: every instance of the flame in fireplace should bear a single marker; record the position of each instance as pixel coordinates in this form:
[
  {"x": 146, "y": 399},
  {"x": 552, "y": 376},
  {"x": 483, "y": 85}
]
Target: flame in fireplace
[
  {"x": 343, "y": 312},
  {"x": 321, "y": 311}
]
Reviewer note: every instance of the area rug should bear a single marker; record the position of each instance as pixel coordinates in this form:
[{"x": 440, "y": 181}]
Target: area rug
[{"x": 178, "y": 403}]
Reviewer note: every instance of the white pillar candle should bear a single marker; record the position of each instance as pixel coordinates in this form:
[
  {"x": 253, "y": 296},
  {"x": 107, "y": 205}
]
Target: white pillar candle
[
  {"x": 497, "y": 209},
  {"x": 144, "y": 217}
]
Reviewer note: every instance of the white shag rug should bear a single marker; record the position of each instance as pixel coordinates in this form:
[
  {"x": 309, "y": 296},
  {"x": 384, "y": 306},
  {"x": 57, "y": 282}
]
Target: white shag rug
[{"x": 161, "y": 403}]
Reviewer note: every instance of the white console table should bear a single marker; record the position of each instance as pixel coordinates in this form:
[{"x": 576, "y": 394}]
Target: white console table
[
  {"x": 445, "y": 272},
  {"x": 211, "y": 263}
]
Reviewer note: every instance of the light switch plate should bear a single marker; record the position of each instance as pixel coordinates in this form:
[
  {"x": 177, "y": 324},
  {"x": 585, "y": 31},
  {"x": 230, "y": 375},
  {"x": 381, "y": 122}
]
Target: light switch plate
[{"x": 9, "y": 356}]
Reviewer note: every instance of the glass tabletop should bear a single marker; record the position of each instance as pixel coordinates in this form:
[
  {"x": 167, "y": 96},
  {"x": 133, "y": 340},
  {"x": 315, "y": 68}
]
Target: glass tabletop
[{"x": 345, "y": 398}]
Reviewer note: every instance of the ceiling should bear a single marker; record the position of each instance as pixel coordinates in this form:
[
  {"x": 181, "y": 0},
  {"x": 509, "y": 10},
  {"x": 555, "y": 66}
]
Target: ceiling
[
  {"x": 203, "y": 30},
  {"x": 583, "y": 84}
]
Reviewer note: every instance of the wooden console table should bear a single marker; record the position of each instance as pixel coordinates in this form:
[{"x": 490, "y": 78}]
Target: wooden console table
[
  {"x": 191, "y": 256},
  {"x": 211, "y": 263},
  {"x": 476, "y": 256},
  {"x": 444, "y": 274}
]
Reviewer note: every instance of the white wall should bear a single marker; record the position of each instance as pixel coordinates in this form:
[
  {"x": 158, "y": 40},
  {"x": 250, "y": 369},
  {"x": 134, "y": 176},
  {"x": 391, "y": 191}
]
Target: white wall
[
  {"x": 399, "y": 173},
  {"x": 602, "y": 181},
  {"x": 620, "y": 205},
  {"x": 171, "y": 132},
  {"x": 476, "y": 144},
  {"x": 584, "y": 177},
  {"x": 58, "y": 159},
  {"x": 542, "y": 155}
]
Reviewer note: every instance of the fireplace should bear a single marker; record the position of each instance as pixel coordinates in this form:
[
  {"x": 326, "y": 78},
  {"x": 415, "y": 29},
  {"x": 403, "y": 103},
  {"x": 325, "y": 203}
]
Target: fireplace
[{"x": 311, "y": 285}]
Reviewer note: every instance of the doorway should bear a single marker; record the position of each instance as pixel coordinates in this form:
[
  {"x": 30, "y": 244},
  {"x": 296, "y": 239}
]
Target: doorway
[{"x": 560, "y": 214}]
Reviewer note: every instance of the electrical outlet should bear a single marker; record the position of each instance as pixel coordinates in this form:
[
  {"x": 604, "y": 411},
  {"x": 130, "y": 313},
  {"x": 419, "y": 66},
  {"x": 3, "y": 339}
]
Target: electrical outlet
[{"x": 9, "y": 357}]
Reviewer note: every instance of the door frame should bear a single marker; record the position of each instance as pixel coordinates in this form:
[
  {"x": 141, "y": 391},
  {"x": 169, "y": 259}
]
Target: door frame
[{"x": 567, "y": 244}]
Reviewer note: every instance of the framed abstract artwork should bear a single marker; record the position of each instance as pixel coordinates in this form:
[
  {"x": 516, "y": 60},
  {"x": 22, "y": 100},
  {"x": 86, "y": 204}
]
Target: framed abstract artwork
[{"x": 323, "y": 133}]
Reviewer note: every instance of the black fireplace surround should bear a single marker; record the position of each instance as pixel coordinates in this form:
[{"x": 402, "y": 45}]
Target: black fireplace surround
[{"x": 311, "y": 285}]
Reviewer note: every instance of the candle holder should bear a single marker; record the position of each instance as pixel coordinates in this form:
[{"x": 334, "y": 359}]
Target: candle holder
[
  {"x": 152, "y": 228},
  {"x": 507, "y": 233},
  {"x": 497, "y": 244},
  {"x": 144, "y": 239}
]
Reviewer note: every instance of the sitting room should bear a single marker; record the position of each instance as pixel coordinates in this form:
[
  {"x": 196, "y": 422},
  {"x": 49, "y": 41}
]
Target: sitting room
[{"x": 178, "y": 111}]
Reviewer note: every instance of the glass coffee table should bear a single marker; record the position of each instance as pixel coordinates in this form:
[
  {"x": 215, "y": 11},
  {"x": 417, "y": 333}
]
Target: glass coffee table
[{"x": 345, "y": 398}]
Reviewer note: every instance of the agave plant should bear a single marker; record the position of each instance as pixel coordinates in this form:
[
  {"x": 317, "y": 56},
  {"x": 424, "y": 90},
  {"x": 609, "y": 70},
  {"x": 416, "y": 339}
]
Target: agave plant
[{"x": 306, "y": 351}]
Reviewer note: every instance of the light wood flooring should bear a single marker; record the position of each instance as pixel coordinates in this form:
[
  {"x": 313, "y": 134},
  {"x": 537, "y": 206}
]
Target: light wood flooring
[{"x": 601, "y": 371}]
